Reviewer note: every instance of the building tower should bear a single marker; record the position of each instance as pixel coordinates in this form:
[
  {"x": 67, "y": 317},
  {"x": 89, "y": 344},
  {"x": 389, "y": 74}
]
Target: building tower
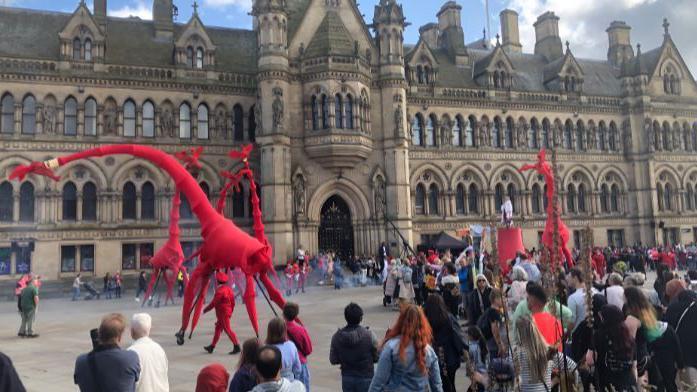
[{"x": 389, "y": 24}]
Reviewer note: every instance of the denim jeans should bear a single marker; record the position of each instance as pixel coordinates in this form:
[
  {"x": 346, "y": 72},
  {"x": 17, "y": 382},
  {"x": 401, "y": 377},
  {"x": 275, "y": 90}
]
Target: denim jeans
[
  {"x": 355, "y": 384},
  {"x": 305, "y": 376},
  {"x": 76, "y": 293}
]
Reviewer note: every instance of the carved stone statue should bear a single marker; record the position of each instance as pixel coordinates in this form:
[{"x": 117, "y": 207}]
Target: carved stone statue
[
  {"x": 277, "y": 108},
  {"x": 591, "y": 138},
  {"x": 49, "y": 114},
  {"x": 110, "y": 121},
  {"x": 484, "y": 139},
  {"x": 221, "y": 125},
  {"x": 446, "y": 133},
  {"x": 676, "y": 139},
  {"x": 557, "y": 136},
  {"x": 650, "y": 136},
  {"x": 299, "y": 195},
  {"x": 398, "y": 121},
  {"x": 380, "y": 200},
  {"x": 522, "y": 129},
  {"x": 166, "y": 123},
  {"x": 627, "y": 136}
]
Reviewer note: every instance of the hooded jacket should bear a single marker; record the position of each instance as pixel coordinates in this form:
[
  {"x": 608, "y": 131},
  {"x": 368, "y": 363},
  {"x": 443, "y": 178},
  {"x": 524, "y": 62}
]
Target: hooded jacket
[
  {"x": 282, "y": 385},
  {"x": 688, "y": 339},
  {"x": 355, "y": 348}
]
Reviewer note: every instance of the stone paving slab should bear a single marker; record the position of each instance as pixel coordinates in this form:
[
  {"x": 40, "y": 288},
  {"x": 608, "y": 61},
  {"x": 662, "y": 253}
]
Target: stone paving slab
[{"x": 47, "y": 363}]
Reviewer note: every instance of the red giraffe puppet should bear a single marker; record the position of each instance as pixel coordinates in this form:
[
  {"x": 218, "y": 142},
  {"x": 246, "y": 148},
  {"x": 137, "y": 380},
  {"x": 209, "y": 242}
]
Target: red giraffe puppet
[
  {"x": 543, "y": 168},
  {"x": 224, "y": 304},
  {"x": 224, "y": 244}
]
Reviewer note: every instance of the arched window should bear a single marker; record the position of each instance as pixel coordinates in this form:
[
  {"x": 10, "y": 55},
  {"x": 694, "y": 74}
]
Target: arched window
[
  {"x": 29, "y": 115},
  {"x": 199, "y": 58},
  {"x": 419, "y": 197},
  {"x": 252, "y": 122},
  {"x": 203, "y": 122},
  {"x": 88, "y": 50},
  {"x": 420, "y": 74},
  {"x": 496, "y": 133},
  {"x": 430, "y": 132},
  {"x": 325, "y": 112},
  {"x": 7, "y": 114},
  {"x": 91, "y": 117},
  {"x": 417, "y": 130},
  {"x": 571, "y": 198},
  {"x": 580, "y": 136},
  {"x": 6, "y": 202},
  {"x": 129, "y": 118},
  {"x": 315, "y": 113},
  {"x": 667, "y": 145},
  {"x": 26, "y": 202},
  {"x": 238, "y": 204},
  {"x": 510, "y": 192},
  {"x": 615, "y": 198},
  {"x": 545, "y": 133},
  {"x": 536, "y": 199},
  {"x": 568, "y": 135},
  {"x": 460, "y": 200},
  {"x": 473, "y": 199},
  {"x": 659, "y": 197},
  {"x": 532, "y": 134},
  {"x": 185, "y": 121},
  {"x": 457, "y": 131},
  {"x": 338, "y": 112},
  {"x": 89, "y": 202},
  {"x": 147, "y": 201},
  {"x": 77, "y": 49},
  {"x": 498, "y": 196},
  {"x": 689, "y": 197},
  {"x": 544, "y": 197},
  {"x": 602, "y": 136},
  {"x": 497, "y": 83},
  {"x": 129, "y": 201},
  {"x": 469, "y": 132},
  {"x": 582, "y": 198},
  {"x": 69, "y": 201},
  {"x": 668, "y": 197},
  {"x": 70, "y": 114},
  {"x": 433, "y": 200},
  {"x": 612, "y": 137},
  {"x": 604, "y": 199},
  {"x": 185, "y": 208},
  {"x": 190, "y": 57},
  {"x": 349, "y": 111},
  {"x": 148, "y": 119},
  {"x": 427, "y": 74},
  {"x": 508, "y": 139},
  {"x": 238, "y": 123}
]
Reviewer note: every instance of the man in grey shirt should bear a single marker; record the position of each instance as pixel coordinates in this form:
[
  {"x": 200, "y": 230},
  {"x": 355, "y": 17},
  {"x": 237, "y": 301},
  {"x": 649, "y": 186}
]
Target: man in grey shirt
[{"x": 108, "y": 368}]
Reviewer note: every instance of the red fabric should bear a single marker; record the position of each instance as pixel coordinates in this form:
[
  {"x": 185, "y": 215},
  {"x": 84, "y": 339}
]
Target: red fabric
[
  {"x": 599, "y": 264},
  {"x": 224, "y": 304},
  {"x": 549, "y": 327},
  {"x": 668, "y": 258},
  {"x": 221, "y": 277},
  {"x": 298, "y": 335},
  {"x": 510, "y": 242},
  {"x": 212, "y": 378}
]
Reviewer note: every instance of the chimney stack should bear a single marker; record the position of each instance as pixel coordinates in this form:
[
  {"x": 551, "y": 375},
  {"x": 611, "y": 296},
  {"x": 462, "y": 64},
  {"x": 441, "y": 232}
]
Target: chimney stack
[
  {"x": 547, "y": 41},
  {"x": 619, "y": 43},
  {"x": 429, "y": 33},
  {"x": 100, "y": 12},
  {"x": 509, "y": 32},
  {"x": 163, "y": 16},
  {"x": 451, "y": 34}
]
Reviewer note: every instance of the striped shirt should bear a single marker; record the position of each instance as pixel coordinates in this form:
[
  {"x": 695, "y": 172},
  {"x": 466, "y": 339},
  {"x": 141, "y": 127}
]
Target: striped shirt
[{"x": 527, "y": 384}]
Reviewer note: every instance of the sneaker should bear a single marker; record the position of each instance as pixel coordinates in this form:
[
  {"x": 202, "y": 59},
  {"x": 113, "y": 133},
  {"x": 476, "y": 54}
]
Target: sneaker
[
  {"x": 209, "y": 349},
  {"x": 235, "y": 350},
  {"x": 33, "y": 335},
  {"x": 21, "y": 334},
  {"x": 137, "y": 299}
]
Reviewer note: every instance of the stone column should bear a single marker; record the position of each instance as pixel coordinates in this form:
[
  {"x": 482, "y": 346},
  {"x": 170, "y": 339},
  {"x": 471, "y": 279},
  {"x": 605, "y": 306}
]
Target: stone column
[
  {"x": 18, "y": 117},
  {"x": 119, "y": 127},
  {"x": 138, "y": 205},
  {"x": 78, "y": 212},
  {"x": 15, "y": 206},
  {"x": 80, "y": 118}
]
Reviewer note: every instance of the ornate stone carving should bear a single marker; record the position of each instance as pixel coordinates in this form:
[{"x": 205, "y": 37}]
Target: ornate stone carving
[
  {"x": 380, "y": 196},
  {"x": 166, "y": 123},
  {"x": 650, "y": 136},
  {"x": 522, "y": 130},
  {"x": 591, "y": 138},
  {"x": 49, "y": 114},
  {"x": 257, "y": 115},
  {"x": 299, "y": 195},
  {"x": 446, "y": 133},
  {"x": 220, "y": 128},
  {"x": 676, "y": 139},
  {"x": 627, "y": 136},
  {"x": 110, "y": 121},
  {"x": 277, "y": 107},
  {"x": 398, "y": 121},
  {"x": 484, "y": 139}
]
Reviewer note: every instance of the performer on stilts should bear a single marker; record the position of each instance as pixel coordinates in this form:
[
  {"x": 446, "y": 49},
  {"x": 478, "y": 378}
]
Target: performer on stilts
[{"x": 224, "y": 304}]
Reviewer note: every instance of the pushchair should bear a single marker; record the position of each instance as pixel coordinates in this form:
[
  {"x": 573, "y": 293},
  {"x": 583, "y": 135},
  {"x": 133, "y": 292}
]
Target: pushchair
[{"x": 91, "y": 291}]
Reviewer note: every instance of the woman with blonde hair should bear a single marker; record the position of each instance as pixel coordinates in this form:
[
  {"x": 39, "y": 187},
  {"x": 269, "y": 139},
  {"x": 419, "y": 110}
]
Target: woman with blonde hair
[
  {"x": 407, "y": 360},
  {"x": 536, "y": 359},
  {"x": 516, "y": 293}
]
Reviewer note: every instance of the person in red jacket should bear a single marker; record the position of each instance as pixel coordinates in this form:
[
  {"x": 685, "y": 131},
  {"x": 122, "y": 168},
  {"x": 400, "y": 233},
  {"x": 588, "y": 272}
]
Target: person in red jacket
[
  {"x": 224, "y": 304},
  {"x": 668, "y": 258},
  {"x": 599, "y": 263},
  {"x": 298, "y": 335}
]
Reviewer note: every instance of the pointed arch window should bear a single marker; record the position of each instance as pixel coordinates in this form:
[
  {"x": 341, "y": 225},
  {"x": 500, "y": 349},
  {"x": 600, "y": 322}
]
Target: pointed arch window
[
  {"x": 545, "y": 133},
  {"x": 457, "y": 132},
  {"x": 69, "y": 201},
  {"x": 498, "y": 196},
  {"x": 604, "y": 199},
  {"x": 571, "y": 198},
  {"x": 615, "y": 198},
  {"x": 667, "y": 145},
  {"x": 568, "y": 135},
  {"x": 252, "y": 122},
  {"x": 511, "y": 193},
  {"x": 544, "y": 197},
  {"x": 433, "y": 195},
  {"x": 469, "y": 132},
  {"x": 129, "y": 119},
  {"x": 202, "y": 132},
  {"x": 532, "y": 134},
  {"x": 430, "y": 133},
  {"x": 325, "y": 112},
  {"x": 89, "y": 202},
  {"x": 338, "y": 112},
  {"x": 238, "y": 123},
  {"x": 582, "y": 198},
  {"x": 659, "y": 197},
  {"x": 199, "y": 58},
  {"x": 129, "y": 199},
  {"x": 77, "y": 49},
  {"x": 7, "y": 114},
  {"x": 315, "y": 113},
  {"x": 88, "y": 49},
  {"x": 420, "y": 200},
  {"x": 580, "y": 133},
  {"x": 602, "y": 136},
  {"x": 90, "y": 117},
  {"x": 29, "y": 115},
  {"x": 668, "y": 198},
  {"x": 536, "y": 202},
  {"x": 70, "y": 117},
  {"x": 147, "y": 201},
  {"x": 473, "y": 199},
  {"x": 26, "y": 202},
  {"x": 496, "y": 133},
  {"x": 185, "y": 121},
  {"x": 460, "y": 200},
  {"x": 148, "y": 119},
  {"x": 508, "y": 139},
  {"x": 6, "y": 202},
  {"x": 349, "y": 112},
  {"x": 420, "y": 74},
  {"x": 238, "y": 204},
  {"x": 190, "y": 57},
  {"x": 612, "y": 137},
  {"x": 689, "y": 197},
  {"x": 417, "y": 130},
  {"x": 185, "y": 208}
]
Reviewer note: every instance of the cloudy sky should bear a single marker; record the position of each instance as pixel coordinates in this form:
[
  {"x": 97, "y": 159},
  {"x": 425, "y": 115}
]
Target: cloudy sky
[{"x": 582, "y": 23}]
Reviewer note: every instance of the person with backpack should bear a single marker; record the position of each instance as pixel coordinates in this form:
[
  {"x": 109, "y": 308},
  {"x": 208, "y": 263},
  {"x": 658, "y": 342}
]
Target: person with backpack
[
  {"x": 616, "y": 351},
  {"x": 682, "y": 316},
  {"x": 448, "y": 341}
]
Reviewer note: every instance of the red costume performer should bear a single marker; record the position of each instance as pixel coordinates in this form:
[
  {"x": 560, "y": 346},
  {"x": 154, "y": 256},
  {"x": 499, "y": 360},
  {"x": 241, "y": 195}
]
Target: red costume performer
[
  {"x": 224, "y": 304},
  {"x": 224, "y": 244},
  {"x": 599, "y": 263},
  {"x": 543, "y": 168}
]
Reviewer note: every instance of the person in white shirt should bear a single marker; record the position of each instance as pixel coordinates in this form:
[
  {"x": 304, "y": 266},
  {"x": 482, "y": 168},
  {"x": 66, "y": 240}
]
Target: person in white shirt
[
  {"x": 76, "y": 287},
  {"x": 507, "y": 212},
  {"x": 577, "y": 301},
  {"x": 614, "y": 293},
  {"x": 153, "y": 360}
]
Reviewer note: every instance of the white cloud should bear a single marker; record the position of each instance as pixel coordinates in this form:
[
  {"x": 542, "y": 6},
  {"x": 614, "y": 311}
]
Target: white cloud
[
  {"x": 244, "y": 4},
  {"x": 140, "y": 9},
  {"x": 6, "y": 3}
]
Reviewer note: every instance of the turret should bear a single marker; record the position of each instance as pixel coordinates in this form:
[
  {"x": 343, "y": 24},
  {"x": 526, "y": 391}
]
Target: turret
[
  {"x": 547, "y": 41},
  {"x": 429, "y": 34},
  {"x": 452, "y": 36},
  {"x": 270, "y": 23},
  {"x": 389, "y": 24},
  {"x": 619, "y": 44},
  {"x": 163, "y": 16}
]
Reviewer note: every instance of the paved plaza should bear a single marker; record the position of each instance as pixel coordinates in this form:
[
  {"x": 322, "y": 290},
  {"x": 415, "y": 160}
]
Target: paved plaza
[{"x": 47, "y": 363}]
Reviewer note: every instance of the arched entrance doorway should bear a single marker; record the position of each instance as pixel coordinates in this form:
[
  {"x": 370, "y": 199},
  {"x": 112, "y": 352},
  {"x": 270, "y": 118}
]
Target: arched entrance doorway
[{"x": 335, "y": 228}]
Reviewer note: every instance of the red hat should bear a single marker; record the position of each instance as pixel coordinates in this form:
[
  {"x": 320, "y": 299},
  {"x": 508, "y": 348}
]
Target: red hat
[
  {"x": 221, "y": 277},
  {"x": 212, "y": 378}
]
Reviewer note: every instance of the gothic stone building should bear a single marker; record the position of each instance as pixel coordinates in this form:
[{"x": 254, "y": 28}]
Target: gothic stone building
[{"x": 356, "y": 132}]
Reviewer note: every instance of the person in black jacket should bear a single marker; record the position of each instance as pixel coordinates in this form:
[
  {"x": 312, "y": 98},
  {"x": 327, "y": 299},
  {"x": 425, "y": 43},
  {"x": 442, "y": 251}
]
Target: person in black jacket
[
  {"x": 682, "y": 316},
  {"x": 479, "y": 299},
  {"x": 355, "y": 349},
  {"x": 9, "y": 380},
  {"x": 448, "y": 340}
]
